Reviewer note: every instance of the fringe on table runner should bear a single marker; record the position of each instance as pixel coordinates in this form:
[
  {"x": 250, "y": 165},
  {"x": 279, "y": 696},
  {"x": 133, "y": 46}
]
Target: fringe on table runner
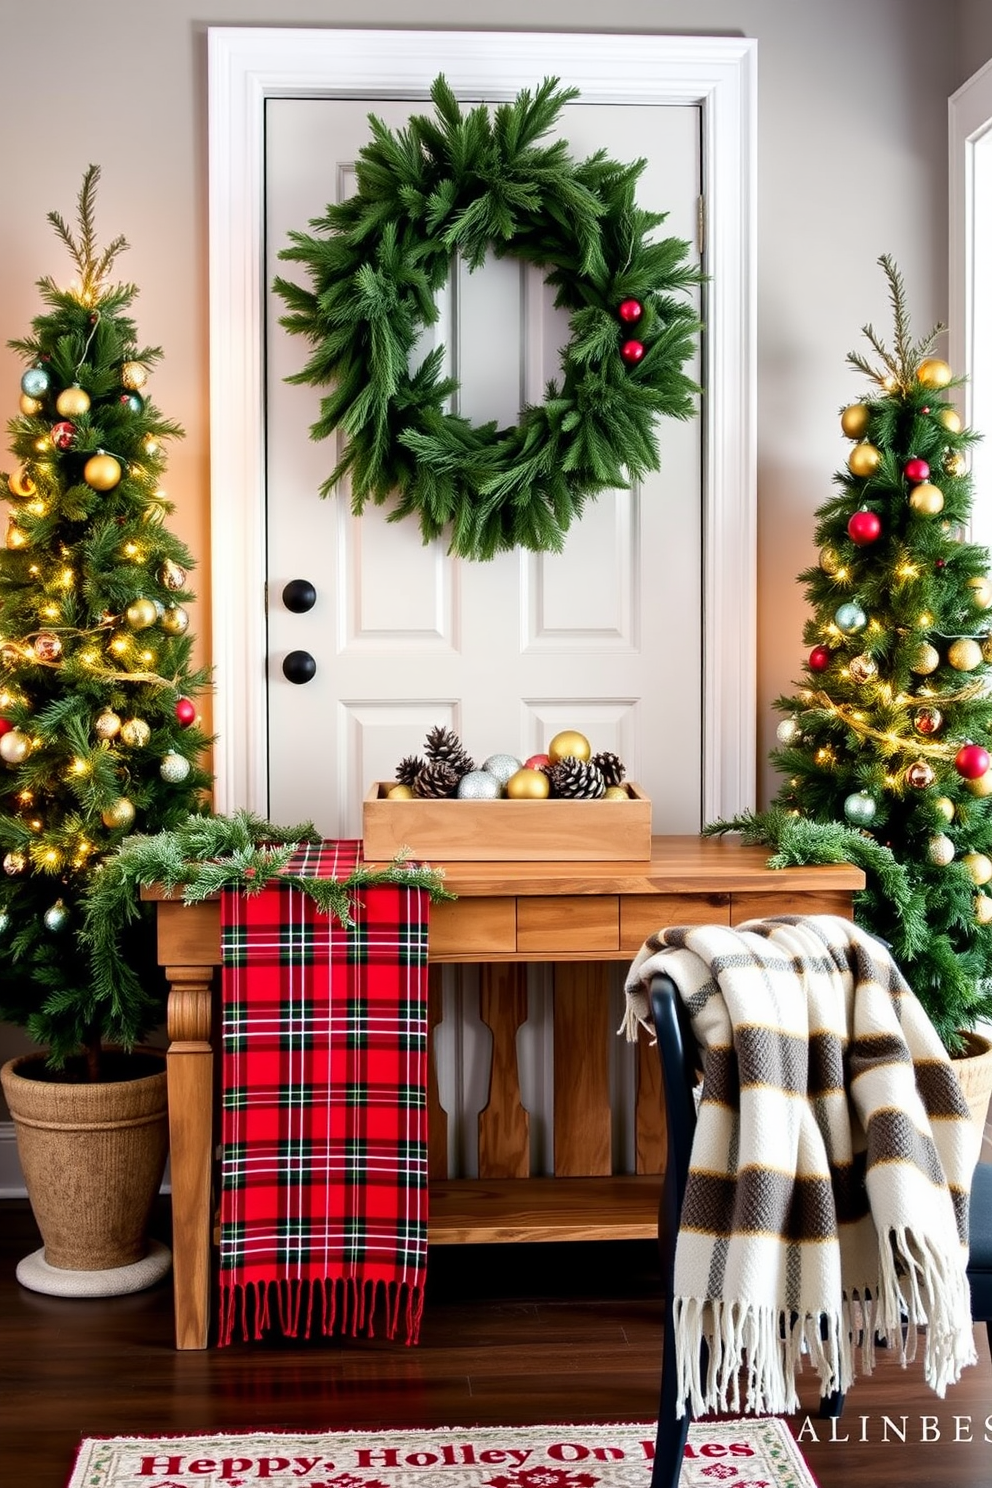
[{"x": 332, "y": 1306}]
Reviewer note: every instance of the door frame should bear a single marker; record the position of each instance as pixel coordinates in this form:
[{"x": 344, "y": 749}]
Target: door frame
[
  {"x": 247, "y": 66},
  {"x": 970, "y": 348}
]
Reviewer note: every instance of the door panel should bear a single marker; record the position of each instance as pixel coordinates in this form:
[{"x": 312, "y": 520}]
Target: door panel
[{"x": 605, "y": 637}]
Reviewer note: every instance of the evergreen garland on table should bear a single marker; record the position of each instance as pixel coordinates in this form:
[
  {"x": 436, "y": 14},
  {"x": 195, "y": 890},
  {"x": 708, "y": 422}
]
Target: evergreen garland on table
[
  {"x": 467, "y": 183},
  {"x": 199, "y": 858}
]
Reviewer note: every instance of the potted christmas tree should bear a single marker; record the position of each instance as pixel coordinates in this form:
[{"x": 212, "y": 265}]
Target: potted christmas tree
[
  {"x": 98, "y": 739},
  {"x": 885, "y": 746}
]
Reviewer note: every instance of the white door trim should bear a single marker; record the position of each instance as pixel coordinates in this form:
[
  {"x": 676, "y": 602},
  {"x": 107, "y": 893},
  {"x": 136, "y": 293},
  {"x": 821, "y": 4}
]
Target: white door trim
[
  {"x": 970, "y": 315},
  {"x": 248, "y": 66}
]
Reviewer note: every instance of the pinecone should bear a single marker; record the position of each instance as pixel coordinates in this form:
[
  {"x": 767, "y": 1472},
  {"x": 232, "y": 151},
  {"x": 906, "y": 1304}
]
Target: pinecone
[
  {"x": 435, "y": 780},
  {"x": 576, "y": 780},
  {"x": 408, "y": 769},
  {"x": 611, "y": 766},
  {"x": 443, "y": 746}
]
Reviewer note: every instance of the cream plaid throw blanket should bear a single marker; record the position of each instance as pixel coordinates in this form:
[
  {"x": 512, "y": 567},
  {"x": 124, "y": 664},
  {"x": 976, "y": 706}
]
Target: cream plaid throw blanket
[{"x": 827, "y": 1199}]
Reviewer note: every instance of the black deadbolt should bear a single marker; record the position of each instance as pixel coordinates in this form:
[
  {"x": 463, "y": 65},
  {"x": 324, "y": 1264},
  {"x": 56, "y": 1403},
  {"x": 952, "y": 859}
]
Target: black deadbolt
[{"x": 299, "y": 596}]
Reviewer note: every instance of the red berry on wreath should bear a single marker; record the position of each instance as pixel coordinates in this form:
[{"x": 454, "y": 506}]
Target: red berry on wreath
[
  {"x": 185, "y": 712},
  {"x": 864, "y": 527},
  {"x": 632, "y": 351},
  {"x": 916, "y": 470},
  {"x": 819, "y": 659},
  {"x": 630, "y": 311},
  {"x": 971, "y": 761}
]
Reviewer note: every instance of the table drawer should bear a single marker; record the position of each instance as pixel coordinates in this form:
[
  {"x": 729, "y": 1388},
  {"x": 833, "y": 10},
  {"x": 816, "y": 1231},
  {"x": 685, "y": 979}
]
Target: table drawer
[
  {"x": 472, "y": 929},
  {"x": 642, "y": 914},
  {"x": 561, "y": 924}
]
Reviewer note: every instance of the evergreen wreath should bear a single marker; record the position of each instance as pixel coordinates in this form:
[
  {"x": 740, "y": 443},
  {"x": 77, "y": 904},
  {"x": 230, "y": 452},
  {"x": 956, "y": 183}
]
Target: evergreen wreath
[{"x": 468, "y": 183}]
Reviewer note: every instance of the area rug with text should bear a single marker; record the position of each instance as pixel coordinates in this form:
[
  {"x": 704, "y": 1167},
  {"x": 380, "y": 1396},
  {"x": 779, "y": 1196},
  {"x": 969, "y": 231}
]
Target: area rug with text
[{"x": 751, "y": 1453}]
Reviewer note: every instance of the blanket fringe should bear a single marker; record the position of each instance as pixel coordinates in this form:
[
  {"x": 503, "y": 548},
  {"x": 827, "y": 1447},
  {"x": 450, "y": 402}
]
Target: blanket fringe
[
  {"x": 923, "y": 1287},
  {"x": 341, "y": 1306}
]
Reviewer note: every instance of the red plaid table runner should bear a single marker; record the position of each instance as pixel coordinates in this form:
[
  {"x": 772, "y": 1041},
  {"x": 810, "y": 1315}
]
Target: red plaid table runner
[{"x": 324, "y": 1106}]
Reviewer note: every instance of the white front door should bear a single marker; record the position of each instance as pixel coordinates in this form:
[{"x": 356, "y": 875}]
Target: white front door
[{"x": 604, "y": 638}]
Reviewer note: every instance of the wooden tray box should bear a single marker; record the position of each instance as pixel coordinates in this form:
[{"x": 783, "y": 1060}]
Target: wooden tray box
[{"x": 504, "y": 831}]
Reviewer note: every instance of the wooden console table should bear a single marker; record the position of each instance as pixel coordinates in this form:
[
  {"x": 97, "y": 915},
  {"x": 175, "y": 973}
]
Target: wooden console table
[{"x": 576, "y": 915}]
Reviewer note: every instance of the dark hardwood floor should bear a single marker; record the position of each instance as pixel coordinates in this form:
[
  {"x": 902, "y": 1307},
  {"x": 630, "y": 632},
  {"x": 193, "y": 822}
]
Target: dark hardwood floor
[{"x": 511, "y": 1335}]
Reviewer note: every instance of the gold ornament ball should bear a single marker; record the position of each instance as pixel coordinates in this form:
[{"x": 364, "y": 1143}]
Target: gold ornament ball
[
  {"x": 72, "y": 401},
  {"x": 862, "y": 668},
  {"x": 47, "y": 646},
  {"x": 940, "y": 850},
  {"x": 133, "y": 376},
  {"x": 399, "y": 793},
  {"x": 964, "y": 654},
  {"x": 982, "y": 786},
  {"x": 528, "y": 785},
  {"x": 926, "y": 499},
  {"x": 926, "y": 660},
  {"x": 16, "y": 537},
  {"x": 934, "y": 373},
  {"x": 135, "y": 733},
  {"x": 979, "y": 866},
  {"x": 175, "y": 621},
  {"x": 854, "y": 420},
  {"x": 980, "y": 589},
  {"x": 829, "y": 560},
  {"x": 29, "y": 406},
  {"x": 119, "y": 813},
  {"x": 172, "y": 576},
  {"x": 615, "y": 793},
  {"x": 107, "y": 725},
  {"x": 102, "y": 472},
  {"x": 15, "y": 746},
  {"x": 955, "y": 463},
  {"x": 569, "y": 744},
  {"x": 987, "y": 649},
  {"x": 141, "y": 614},
  {"x": 951, "y": 420},
  {"x": 863, "y": 460},
  {"x": 15, "y": 862},
  {"x": 19, "y": 483},
  {"x": 983, "y": 909},
  {"x": 945, "y": 806}
]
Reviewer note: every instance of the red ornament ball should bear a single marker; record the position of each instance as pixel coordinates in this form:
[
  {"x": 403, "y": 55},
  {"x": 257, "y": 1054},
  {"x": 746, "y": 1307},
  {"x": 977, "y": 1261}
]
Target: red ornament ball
[
  {"x": 916, "y": 470},
  {"x": 5, "y": 725},
  {"x": 864, "y": 527},
  {"x": 63, "y": 435},
  {"x": 185, "y": 711},
  {"x": 630, "y": 311},
  {"x": 971, "y": 761},
  {"x": 819, "y": 659},
  {"x": 632, "y": 351},
  {"x": 537, "y": 762}
]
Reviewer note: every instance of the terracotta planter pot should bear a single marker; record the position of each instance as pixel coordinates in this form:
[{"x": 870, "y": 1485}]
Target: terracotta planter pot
[
  {"x": 974, "y": 1072},
  {"x": 92, "y": 1157}
]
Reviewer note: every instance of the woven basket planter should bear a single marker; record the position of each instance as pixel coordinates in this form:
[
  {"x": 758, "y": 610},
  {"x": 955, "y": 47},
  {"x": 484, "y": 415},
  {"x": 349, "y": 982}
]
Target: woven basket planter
[
  {"x": 974, "y": 1071},
  {"x": 93, "y": 1156}
]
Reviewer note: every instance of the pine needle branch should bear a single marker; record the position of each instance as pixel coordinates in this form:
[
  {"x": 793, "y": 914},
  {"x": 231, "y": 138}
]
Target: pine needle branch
[{"x": 93, "y": 266}]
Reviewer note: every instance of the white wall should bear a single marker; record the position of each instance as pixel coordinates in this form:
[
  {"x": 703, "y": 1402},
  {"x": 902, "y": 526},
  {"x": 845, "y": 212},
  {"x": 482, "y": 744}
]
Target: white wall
[{"x": 852, "y": 163}]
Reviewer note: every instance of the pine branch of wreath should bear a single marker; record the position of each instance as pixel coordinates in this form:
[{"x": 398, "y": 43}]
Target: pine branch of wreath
[{"x": 471, "y": 183}]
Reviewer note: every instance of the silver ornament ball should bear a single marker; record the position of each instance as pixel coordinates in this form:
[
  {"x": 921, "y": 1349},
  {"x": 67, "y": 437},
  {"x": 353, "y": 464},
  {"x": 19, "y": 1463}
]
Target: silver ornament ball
[
  {"x": 860, "y": 808},
  {"x": 787, "y": 731},
  {"x": 501, "y": 767},
  {"x": 174, "y": 768},
  {"x": 478, "y": 785},
  {"x": 56, "y": 916}
]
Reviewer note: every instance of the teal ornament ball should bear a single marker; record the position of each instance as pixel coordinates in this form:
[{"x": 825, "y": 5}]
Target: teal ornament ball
[
  {"x": 174, "y": 767},
  {"x": 35, "y": 382},
  {"x": 502, "y": 766},
  {"x": 860, "y": 808},
  {"x": 56, "y": 916},
  {"x": 479, "y": 785},
  {"x": 850, "y": 618}
]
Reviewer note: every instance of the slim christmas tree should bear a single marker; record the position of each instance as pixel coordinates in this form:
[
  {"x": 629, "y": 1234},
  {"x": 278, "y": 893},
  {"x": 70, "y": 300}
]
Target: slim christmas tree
[
  {"x": 890, "y": 730},
  {"x": 98, "y": 727}
]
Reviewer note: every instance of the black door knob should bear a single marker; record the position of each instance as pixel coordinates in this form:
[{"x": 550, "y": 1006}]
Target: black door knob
[
  {"x": 298, "y": 666},
  {"x": 299, "y": 596}
]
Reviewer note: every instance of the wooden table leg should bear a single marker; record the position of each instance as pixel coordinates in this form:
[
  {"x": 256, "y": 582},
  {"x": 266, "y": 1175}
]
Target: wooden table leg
[{"x": 190, "y": 1075}]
